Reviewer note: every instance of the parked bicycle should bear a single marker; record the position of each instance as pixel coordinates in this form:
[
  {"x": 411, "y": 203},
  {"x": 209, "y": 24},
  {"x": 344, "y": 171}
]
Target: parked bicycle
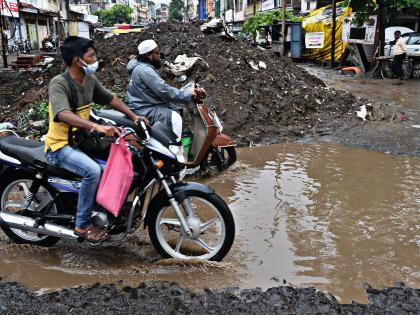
[
  {"x": 386, "y": 68},
  {"x": 383, "y": 65}
]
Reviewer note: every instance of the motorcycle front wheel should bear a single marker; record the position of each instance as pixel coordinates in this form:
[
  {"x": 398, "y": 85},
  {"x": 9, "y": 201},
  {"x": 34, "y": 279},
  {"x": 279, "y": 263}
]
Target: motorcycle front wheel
[{"x": 213, "y": 229}]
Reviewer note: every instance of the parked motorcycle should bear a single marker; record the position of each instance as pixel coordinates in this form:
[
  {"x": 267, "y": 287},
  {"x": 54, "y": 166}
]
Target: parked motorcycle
[
  {"x": 205, "y": 148},
  {"x": 25, "y": 47},
  {"x": 184, "y": 219},
  {"x": 48, "y": 43}
]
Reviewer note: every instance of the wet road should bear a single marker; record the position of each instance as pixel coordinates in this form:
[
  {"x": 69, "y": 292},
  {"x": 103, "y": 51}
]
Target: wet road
[
  {"x": 398, "y": 133},
  {"x": 319, "y": 215}
]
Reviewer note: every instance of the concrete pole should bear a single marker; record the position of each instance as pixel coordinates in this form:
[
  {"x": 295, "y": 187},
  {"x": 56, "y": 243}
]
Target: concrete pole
[
  {"x": 283, "y": 29},
  {"x": 3, "y": 43},
  {"x": 334, "y": 26}
]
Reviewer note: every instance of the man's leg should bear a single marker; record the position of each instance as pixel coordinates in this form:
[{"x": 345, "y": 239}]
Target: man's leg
[
  {"x": 398, "y": 61},
  {"x": 165, "y": 115},
  {"x": 79, "y": 163},
  {"x": 176, "y": 124}
]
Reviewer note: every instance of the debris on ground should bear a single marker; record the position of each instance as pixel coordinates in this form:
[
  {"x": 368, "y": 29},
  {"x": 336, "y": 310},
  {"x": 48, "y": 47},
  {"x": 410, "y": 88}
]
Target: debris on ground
[
  {"x": 365, "y": 112},
  {"x": 184, "y": 64},
  {"x": 272, "y": 101},
  {"x": 169, "y": 298}
]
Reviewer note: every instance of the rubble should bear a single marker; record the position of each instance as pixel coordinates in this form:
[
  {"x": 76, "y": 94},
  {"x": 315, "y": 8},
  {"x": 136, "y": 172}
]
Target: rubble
[{"x": 277, "y": 102}]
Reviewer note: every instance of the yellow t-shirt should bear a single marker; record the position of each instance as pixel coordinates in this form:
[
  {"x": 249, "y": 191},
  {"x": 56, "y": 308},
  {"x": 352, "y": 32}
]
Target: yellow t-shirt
[{"x": 59, "y": 94}]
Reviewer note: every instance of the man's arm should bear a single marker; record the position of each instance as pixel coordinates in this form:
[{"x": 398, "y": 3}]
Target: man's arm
[
  {"x": 119, "y": 105},
  {"x": 104, "y": 97},
  {"x": 71, "y": 119},
  {"x": 164, "y": 91}
]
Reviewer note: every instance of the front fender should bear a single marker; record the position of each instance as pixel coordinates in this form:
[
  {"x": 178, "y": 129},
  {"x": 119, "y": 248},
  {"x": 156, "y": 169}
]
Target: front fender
[{"x": 180, "y": 190}]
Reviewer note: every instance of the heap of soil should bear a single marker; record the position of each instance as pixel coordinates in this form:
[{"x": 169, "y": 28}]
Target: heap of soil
[
  {"x": 169, "y": 298},
  {"x": 270, "y": 105}
]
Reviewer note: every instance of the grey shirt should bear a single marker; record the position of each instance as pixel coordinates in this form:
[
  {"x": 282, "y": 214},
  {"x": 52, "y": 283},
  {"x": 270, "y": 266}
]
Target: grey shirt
[{"x": 148, "y": 89}]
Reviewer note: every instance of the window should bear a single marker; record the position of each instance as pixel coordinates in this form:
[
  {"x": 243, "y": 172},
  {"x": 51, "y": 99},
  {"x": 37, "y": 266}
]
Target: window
[
  {"x": 414, "y": 40},
  {"x": 229, "y": 4},
  {"x": 238, "y": 5}
]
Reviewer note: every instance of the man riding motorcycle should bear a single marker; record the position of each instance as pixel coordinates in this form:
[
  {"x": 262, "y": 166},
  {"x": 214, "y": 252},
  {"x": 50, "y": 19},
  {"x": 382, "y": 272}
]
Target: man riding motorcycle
[
  {"x": 71, "y": 95},
  {"x": 148, "y": 95}
]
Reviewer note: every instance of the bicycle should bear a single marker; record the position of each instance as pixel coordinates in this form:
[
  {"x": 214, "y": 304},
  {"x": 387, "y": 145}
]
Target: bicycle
[
  {"x": 386, "y": 68},
  {"x": 383, "y": 65}
]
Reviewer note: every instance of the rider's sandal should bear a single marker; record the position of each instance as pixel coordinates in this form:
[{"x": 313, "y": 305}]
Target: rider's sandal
[{"x": 92, "y": 233}]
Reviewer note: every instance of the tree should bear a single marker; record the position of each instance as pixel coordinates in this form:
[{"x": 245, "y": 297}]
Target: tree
[
  {"x": 119, "y": 13},
  {"x": 176, "y": 8},
  {"x": 364, "y": 8},
  {"x": 253, "y": 23}
]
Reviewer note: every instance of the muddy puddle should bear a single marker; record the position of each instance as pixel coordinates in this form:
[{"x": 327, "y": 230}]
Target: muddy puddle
[{"x": 319, "y": 215}]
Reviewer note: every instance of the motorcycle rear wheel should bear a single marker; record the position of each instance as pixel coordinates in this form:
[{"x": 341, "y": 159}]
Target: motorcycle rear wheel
[
  {"x": 216, "y": 229},
  {"x": 13, "y": 191}
]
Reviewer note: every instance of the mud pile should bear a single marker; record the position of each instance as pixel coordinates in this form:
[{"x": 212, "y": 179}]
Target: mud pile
[
  {"x": 269, "y": 105},
  {"x": 168, "y": 298}
]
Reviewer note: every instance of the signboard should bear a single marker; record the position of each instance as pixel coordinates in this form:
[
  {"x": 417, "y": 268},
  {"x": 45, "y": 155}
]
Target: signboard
[
  {"x": 91, "y": 18},
  {"x": 267, "y": 5},
  {"x": 364, "y": 34},
  {"x": 9, "y": 8},
  {"x": 314, "y": 40}
]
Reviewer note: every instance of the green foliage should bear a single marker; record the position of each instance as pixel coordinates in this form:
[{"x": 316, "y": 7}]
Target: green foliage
[
  {"x": 176, "y": 8},
  {"x": 38, "y": 111},
  {"x": 253, "y": 23},
  {"x": 364, "y": 8},
  {"x": 97, "y": 106},
  {"x": 119, "y": 13}
]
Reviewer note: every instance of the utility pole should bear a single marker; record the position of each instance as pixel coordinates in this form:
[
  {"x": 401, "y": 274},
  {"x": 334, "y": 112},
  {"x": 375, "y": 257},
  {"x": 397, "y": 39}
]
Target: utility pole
[
  {"x": 381, "y": 26},
  {"x": 334, "y": 26},
  {"x": 283, "y": 28},
  {"x": 3, "y": 39}
]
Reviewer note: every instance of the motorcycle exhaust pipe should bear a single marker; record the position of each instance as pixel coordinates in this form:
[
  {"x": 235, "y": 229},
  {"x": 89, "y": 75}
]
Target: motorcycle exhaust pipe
[{"x": 27, "y": 224}]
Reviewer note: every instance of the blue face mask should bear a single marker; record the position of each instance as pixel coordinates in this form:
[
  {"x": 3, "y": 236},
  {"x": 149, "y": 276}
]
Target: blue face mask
[{"x": 90, "y": 69}]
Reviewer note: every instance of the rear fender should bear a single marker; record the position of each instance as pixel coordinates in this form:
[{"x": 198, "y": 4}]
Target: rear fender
[
  {"x": 180, "y": 191},
  {"x": 223, "y": 140}
]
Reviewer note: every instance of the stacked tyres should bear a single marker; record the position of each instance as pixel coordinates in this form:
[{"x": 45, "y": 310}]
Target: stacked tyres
[{"x": 416, "y": 70}]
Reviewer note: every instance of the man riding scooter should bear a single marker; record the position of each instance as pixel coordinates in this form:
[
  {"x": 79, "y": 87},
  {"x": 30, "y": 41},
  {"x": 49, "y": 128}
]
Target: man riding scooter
[{"x": 148, "y": 95}]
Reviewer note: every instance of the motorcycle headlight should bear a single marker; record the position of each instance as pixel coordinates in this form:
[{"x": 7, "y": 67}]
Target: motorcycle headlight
[{"x": 178, "y": 150}]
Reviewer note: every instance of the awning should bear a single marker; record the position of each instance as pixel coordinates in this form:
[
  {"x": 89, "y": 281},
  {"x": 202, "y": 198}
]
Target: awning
[
  {"x": 27, "y": 8},
  {"x": 48, "y": 13}
]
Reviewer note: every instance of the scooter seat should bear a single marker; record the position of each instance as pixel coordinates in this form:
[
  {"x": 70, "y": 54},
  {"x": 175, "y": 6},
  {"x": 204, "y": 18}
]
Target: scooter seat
[
  {"x": 30, "y": 152},
  {"x": 118, "y": 118}
]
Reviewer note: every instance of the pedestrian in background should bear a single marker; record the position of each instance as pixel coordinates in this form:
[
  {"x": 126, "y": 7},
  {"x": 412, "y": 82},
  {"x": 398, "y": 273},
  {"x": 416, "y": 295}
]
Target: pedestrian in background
[{"x": 400, "y": 53}]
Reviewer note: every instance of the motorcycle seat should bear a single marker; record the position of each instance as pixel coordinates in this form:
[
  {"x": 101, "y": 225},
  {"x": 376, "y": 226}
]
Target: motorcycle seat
[{"x": 30, "y": 152}]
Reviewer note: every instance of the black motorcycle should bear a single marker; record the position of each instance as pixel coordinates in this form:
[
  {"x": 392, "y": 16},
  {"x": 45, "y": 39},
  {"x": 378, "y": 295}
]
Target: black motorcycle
[{"x": 184, "y": 219}]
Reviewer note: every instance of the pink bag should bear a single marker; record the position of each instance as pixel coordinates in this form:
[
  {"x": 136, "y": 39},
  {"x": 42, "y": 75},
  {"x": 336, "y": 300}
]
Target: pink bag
[{"x": 116, "y": 178}]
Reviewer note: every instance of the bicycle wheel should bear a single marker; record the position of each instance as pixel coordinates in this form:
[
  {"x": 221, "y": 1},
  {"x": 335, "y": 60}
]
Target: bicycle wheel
[
  {"x": 407, "y": 69},
  {"x": 386, "y": 69}
]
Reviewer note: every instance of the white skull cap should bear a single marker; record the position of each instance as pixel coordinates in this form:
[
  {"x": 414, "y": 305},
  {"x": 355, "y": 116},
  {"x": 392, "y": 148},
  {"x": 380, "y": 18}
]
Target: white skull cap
[{"x": 146, "y": 46}]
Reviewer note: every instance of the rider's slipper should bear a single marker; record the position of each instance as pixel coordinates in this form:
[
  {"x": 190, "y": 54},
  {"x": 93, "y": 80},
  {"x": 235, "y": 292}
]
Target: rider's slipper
[{"x": 92, "y": 233}]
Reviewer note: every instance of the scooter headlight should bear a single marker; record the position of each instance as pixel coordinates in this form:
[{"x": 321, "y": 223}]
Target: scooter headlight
[{"x": 218, "y": 123}]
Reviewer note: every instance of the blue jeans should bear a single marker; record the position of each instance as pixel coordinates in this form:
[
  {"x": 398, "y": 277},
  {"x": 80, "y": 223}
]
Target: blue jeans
[{"x": 79, "y": 163}]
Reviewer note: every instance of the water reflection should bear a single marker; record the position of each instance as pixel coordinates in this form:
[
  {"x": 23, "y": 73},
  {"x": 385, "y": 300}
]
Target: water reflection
[{"x": 329, "y": 216}]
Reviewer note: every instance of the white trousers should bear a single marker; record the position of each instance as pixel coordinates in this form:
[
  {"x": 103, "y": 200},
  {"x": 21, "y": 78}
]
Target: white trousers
[{"x": 177, "y": 124}]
